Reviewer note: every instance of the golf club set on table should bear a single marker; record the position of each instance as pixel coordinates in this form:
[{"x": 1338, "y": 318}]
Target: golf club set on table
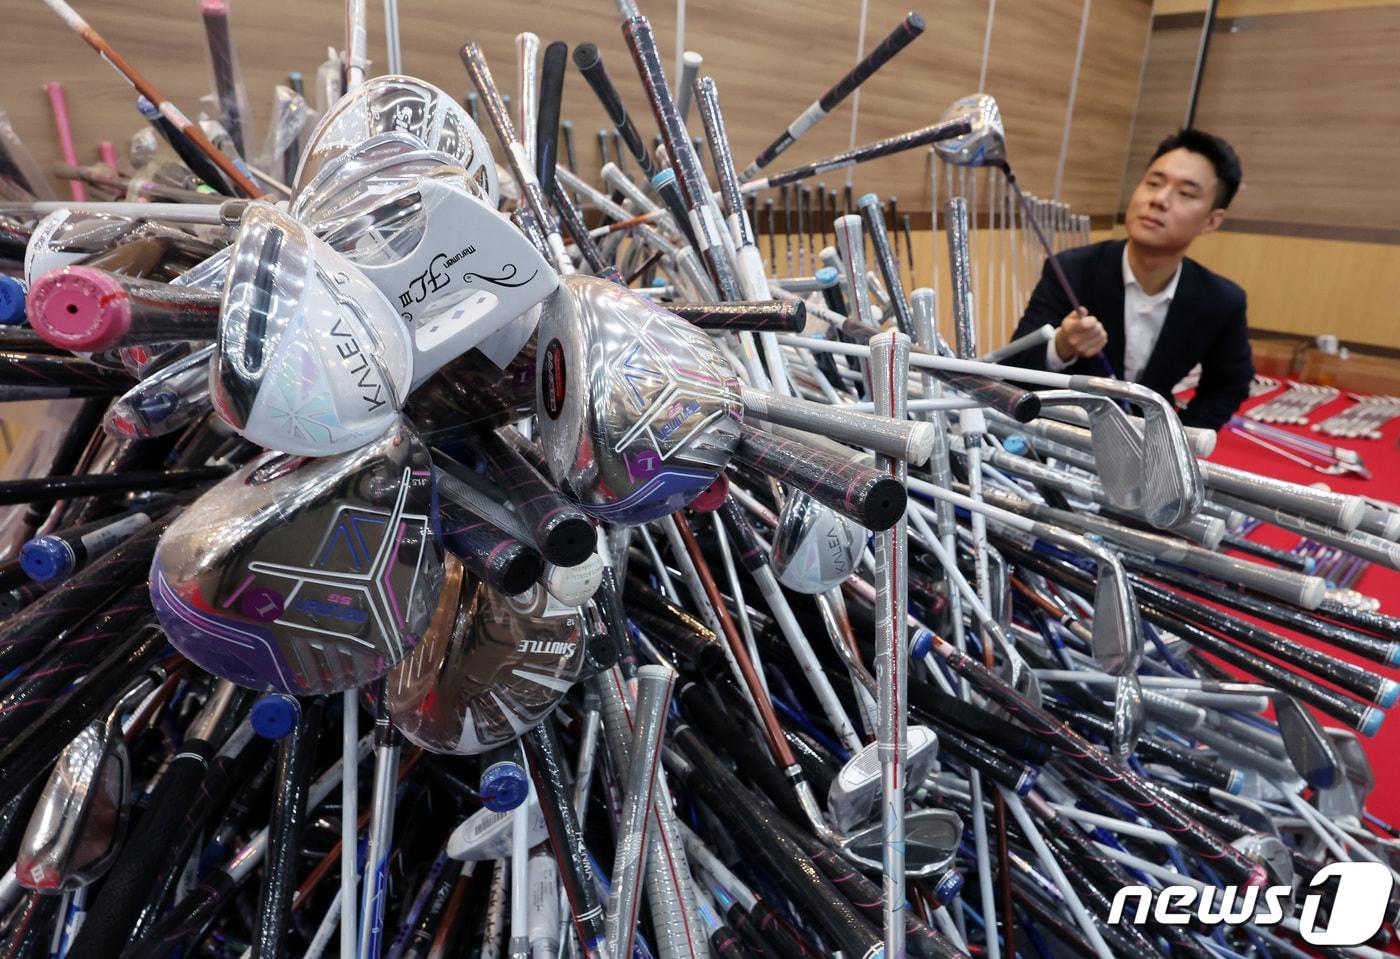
[{"x": 663, "y": 580}]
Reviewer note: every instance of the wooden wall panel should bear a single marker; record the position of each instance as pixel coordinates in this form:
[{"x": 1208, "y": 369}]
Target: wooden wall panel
[
  {"x": 1312, "y": 103},
  {"x": 769, "y": 59},
  {"x": 1165, "y": 92}
]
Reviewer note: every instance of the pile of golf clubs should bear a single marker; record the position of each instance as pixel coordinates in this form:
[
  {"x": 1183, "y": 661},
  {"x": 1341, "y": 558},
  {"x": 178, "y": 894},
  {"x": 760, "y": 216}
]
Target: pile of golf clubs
[{"x": 662, "y": 581}]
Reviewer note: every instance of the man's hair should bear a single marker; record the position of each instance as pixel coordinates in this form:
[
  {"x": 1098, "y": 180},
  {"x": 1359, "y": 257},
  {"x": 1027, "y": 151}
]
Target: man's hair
[{"x": 1221, "y": 155}]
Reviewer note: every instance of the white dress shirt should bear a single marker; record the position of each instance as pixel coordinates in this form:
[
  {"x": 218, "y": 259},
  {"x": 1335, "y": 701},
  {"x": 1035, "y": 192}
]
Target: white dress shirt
[{"x": 1143, "y": 317}]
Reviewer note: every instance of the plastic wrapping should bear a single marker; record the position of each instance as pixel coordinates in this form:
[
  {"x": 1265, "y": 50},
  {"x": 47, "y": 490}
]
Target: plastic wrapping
[
  {"x": 329, "y": 83},
  {"x": 228, "y": 78},
  {"x": 292, "y": 118}
]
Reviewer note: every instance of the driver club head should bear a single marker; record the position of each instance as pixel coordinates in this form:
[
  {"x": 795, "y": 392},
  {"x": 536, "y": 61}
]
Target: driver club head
[
  {"x": 931, "y": 838},
  {"x": 815, "y": 548},
  {"x": 985, "y": 144},
  {"x": 312, "y": 358},
  {"x": 77, "y": 828},
  {"x": 489, "y": 668},
  {"x": 305, "y": 576},
  {"x": 856, "y": 787},
  {"x": 638, "y": 411},
  {"x": 406, "y": 105}
]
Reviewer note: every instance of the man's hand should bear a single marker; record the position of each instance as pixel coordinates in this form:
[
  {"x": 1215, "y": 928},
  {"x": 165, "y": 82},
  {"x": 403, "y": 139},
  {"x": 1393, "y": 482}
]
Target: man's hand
[{"x": 1080, "y": 335}]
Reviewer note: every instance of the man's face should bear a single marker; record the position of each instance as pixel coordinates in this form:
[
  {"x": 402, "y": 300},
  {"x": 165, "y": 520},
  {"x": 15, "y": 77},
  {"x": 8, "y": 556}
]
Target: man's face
[{"x": 1174, "y": 203}]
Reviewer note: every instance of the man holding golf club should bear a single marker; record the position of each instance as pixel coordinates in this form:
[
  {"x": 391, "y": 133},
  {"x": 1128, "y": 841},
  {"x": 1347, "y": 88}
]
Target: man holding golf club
[{"x": 1149, "y": 311}]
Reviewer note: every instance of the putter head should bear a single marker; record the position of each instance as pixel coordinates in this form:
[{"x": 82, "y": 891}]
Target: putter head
[
  {"x": 305, "y": 576},
  {"x": 814, "y": 547},
  {"x": 312, "y": 358},
  {"x": 455, "y": 269},
  {"x": 638, "y": 411},
  {"x": 931, "y": 838},
  {"x": 985, "y": 144},
  {"x": 489, "y": 668},
  {"x": 405, "y": 105},
  {"x": 855, "y": 790},
  {"x": 1309, "y": 750},
  {"x": 77, "y": 828}
]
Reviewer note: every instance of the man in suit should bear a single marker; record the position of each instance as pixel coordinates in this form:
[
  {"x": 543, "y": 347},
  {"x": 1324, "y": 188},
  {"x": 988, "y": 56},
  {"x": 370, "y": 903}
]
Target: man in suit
[{"x": 1150, "y": 311}]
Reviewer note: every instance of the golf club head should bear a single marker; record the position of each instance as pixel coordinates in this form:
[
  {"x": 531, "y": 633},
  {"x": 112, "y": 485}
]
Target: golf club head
[
  {"x": 638, "y": 411},
  {"x": 1348, "y": 797},
  {"x": 999, "y": 591},
  {"x": 1309, "y": 750},
  {"x": 77, "y": 828},
  {"x": 1129, "y": 716},
  {"x": 814, "y": 547},
  {"x": 305, "y": 576},
  {"x": 1269, "y": 850},
  {"x": 489, "y": 668},
  {"x": 404, "y": 105},
  {"x": 1172, "y": 489},
  {"x": 931, "y": 838},
  {"x": 66, "y": 237},
  {"x": 985, "y": 145},
  {"x": 485, "y": 834},
  {"x": 312, "y": 358},
  {"x": 377, "y": 164},
  {"x": 1118, "y": 448},
  {"x": 1117, "y": 641},
  {"x": 456, "y": 270},
  {"x": 856, "y": 787}
]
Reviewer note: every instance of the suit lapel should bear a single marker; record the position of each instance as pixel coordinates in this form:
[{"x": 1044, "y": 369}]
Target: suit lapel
[{"x": 1105, "y": 301}]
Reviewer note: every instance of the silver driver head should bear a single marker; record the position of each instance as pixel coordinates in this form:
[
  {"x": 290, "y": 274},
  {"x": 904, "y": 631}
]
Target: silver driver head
[
  {"x": 815, "y": 548},
  {"x": 985, "y": 145}
]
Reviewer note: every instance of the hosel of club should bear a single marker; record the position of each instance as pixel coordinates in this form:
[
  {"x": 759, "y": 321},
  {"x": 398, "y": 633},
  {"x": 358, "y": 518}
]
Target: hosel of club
[
  {"x": 654, "y": 685},
  {"x": 889, "y": 378},
  {"x": 524, "y": 171},
  {"x": 675, "y": 915}
]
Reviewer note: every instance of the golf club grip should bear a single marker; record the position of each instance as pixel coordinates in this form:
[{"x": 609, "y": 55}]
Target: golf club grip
[
  {"x": 1381, "y": 624},
  {"x": 1372, "y": 548},
  {"x": 128, "y": 883},
  {"x": 296, "y": 756},
  {"x": 1334, "y": 509},
  {"x": 910, "y": 27},
  {"x": 81, "y": 596},
  {"x": 1362, "y": 644},
  {"x": 565, "y": 836},
  {"x": 867, "y": 496},
  {"x": 29, "y": 694},
  {"x": 83, "y": 308},
  {"x": 590, "y": 64},
  {"x": 189, "y": 916},
  {"x": 683, "y": 636},
  {"x": 974, "y": 721},
  {"x": 776, "y": 316},
  {"x": 751, "y": 555},
  {"x": 39, "y": 376},
  {"x": 1022, "y": 405},
  {"x": 502, "y": 561},
  {"x": 1354, "y": 679},
  {"x": 94, "y": 484},
  {"x": 1090, "y": 760},
  {"x": 1276, "y": 556},
  {"x": 29, "y": 755},
  {"x": 561, "y": 531},
  {"x": 806, "y": 886},
  {"x": 556, "y": 59},
  {"x": 777, "y": 930},
  {"x": 990, "y": 761},
  {"x": 724, "y": 943}
]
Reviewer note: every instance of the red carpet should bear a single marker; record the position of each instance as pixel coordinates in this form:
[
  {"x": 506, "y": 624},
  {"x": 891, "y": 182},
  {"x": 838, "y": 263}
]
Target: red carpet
[{"x": 1382, "y": 457}]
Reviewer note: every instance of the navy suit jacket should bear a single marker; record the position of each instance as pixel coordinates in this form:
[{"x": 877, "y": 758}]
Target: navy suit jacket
[{"x": 1205, "y": 324}]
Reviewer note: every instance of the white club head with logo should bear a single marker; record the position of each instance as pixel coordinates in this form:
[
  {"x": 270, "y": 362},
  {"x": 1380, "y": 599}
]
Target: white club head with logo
[
  {"x": 815, "y": 548},
  {"x": 312, "y": 359}
]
